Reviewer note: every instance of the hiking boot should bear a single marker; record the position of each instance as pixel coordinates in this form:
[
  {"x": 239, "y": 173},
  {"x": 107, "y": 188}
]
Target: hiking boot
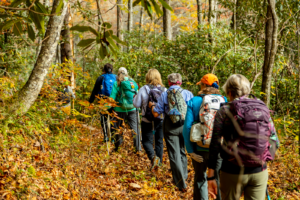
[{"x": 155, "y": 163}]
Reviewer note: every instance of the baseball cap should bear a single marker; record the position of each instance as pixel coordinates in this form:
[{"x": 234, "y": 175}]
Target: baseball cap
[{"x": 209, "y": 79}]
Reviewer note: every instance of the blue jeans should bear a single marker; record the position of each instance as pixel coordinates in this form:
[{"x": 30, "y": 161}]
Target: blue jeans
[
  {"x": 147, "y": 141},
  {"x": 200, "y": 183}
]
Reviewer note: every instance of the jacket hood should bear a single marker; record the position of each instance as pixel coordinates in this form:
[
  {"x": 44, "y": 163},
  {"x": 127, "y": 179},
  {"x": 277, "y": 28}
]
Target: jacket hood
[{"x": 209, "y": 90}]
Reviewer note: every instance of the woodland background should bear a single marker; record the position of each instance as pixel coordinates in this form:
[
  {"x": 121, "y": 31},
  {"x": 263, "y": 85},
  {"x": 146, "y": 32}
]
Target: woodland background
[{"x": 50, "y": 152}]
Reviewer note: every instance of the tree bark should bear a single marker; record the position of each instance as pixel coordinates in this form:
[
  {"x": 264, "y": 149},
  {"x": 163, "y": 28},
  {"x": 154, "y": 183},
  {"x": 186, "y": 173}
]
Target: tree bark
[
  {"x": 215, "y": 11},
  {"x": 234, "y": 27},
  {"x": 58, "y": 54},
  {"x": 38, "y": 48},
  {"x": 28, "y": 94},
  {"x": 130, "y": 13},
  {"x": 210, "y": 22},
  {"x": 98, "y": 15},
  {"x": 66, "y": 47},
  {"x": 119, "y": 22},
  {"x": 199, "y": 13},
  {"x": 167, "y": 22},
  {"x": 236, "y": 14},
  {"x": 209, "y": 12},
  {"x": 141, "y": 17},
  {"x": 270, "y": 50},
  {"x": 298, "y": 43}
]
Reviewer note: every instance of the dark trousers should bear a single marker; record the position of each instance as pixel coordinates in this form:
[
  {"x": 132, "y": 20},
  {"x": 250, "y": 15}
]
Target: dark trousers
[
  {"x": 200, "y": 183},
  {"x": 132, "y": 120},
  {"x": 147, "y": 135},
  {"x": 176, "y": 151}
]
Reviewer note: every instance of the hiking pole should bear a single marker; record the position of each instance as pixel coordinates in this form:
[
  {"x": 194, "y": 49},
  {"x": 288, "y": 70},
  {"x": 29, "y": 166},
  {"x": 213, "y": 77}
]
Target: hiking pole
[
  {"x": 104, "y": 131},
  {"x": 109, "y": 128},
  {"x": 138, "y": 130},
  {"x": 268, "y": 196},
  {"x": 105, "y": 134}
]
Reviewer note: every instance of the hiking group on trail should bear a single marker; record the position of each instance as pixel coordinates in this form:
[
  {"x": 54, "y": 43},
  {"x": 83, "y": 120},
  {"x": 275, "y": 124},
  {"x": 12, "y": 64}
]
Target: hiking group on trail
[{"x": 229, "y": 140}]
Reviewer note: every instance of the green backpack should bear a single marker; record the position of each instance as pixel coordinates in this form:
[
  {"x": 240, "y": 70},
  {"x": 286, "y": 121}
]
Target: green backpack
[
  {"x": 177, "y": 105},
  {"x": 128, "y": 88}
]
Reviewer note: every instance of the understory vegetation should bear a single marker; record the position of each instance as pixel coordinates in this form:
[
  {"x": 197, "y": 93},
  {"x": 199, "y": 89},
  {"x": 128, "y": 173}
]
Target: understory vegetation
[{"x": 54, "y": 151}]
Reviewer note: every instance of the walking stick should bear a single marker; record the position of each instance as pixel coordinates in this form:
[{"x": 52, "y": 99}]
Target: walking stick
[
  {"x": 108, "y": 127},
  {"x": 104, "y": 131},
  {"x": 138, "y": 130}
]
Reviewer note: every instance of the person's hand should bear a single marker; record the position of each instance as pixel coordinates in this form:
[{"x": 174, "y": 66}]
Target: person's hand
[
  {"x": 151, "y": 104},
  {"x": 212, "y": 188},
  {"x": 196, "y": 157}
]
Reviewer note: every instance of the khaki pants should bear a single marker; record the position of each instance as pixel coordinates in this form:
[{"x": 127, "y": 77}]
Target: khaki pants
[{"x": 253, "y": 185}]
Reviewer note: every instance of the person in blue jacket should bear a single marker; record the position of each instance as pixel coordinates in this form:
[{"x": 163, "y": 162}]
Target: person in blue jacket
[
  {"x": 200, "y": 156},
  {"x": 102, "y": 88}
]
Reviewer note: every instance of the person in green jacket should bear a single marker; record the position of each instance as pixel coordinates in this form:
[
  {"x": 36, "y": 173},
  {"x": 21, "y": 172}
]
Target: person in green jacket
[{"x": 123, "y": 92}]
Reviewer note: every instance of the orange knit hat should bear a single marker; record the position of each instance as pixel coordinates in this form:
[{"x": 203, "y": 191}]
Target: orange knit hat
[{"x": 209, "y": 79}]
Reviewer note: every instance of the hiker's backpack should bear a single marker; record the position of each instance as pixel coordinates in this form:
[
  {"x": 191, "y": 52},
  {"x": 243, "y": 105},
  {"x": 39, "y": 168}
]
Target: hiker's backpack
[
  {"x": 202, "y": 132},
  {"x": 154, "y": 94},
  {"x": 177, "y": 106},
  {"x": 107, "y": 84},
  {"x": 128, "y": 88},
  {"x": 251, "y": 120}
]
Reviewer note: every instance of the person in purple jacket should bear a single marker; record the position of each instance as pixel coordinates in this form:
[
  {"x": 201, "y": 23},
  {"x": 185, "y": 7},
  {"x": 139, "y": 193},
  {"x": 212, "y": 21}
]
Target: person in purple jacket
[
  {"x": 173, "y": 132},
  {"x": 243, "y": 170}
]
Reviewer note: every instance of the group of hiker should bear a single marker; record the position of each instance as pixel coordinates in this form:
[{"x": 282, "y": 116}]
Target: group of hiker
[{"x": 232, "y": 138}]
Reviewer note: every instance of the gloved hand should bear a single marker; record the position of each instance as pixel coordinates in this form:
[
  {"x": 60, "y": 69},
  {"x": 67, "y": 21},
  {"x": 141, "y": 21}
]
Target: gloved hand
[{"x": 196, "y": 157}]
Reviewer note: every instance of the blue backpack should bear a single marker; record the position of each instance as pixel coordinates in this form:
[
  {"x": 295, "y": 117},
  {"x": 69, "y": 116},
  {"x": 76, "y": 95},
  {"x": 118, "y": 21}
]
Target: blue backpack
[{"x": 107, "y": 84}]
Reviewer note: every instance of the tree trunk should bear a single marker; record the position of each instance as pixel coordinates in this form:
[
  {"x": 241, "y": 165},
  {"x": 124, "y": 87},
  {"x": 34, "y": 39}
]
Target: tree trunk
[
  {"x": 234, "y": 27},
  {"x": 209, "y": 12},
  {"x": 214, "y": 11},
  {"x": 130, "y": 13},
  {"x": 270, "y": 50},
  {"x": 38, "y": 48},
  {"x": 99, "y": 15},
  {"x": 167, "y": 22},
  {"x": 236, "y": 14},
  {"x": 298, "y": 43},
  {"x": 58, "y": 54},
  {"x": 119, "y": 22},
  {"x": 66, "y": 47},
  {"x": 199, "y": 13},
  {"x": 129, "y": 21},
  {"x": 141, "y": 17},
  {"x": 28, "y": 94}
]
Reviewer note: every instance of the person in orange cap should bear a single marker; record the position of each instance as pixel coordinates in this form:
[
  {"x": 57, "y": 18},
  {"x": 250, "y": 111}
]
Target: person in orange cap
[
  {"x": 210, "y": 80},
  {"x": 197, "y": 131}
]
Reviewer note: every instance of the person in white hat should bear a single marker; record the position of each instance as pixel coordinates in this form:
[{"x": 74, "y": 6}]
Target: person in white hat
[{"x": 124, "y": 89}]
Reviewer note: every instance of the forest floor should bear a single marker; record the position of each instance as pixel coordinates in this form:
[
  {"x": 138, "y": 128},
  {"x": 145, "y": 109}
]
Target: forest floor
[{"x": 74, "y": 164}]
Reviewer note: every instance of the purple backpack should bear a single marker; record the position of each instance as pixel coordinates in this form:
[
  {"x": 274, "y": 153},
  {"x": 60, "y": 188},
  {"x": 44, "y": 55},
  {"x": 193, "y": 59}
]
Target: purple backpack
[
  {"x": 154, "y": 94},
  {"x": 251, "y": 119}
]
